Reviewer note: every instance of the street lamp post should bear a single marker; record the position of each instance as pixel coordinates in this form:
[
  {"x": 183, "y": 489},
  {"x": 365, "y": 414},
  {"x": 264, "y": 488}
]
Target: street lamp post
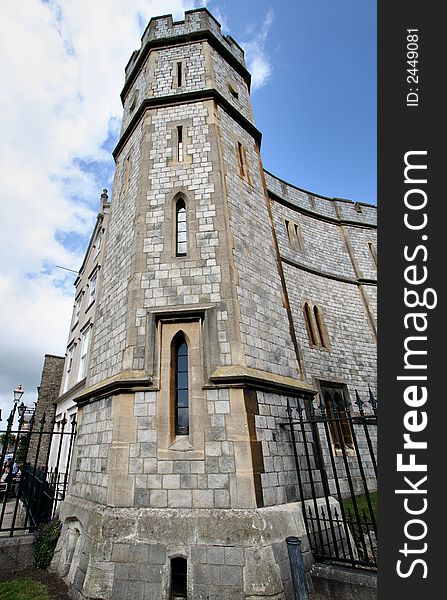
[{"x": 17, "y": 395}]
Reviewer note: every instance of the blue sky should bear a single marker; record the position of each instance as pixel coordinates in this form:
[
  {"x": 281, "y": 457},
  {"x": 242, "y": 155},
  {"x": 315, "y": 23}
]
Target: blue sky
[
  {"x": 317, "y": 110},
  {"x": 62, "y": 69}
]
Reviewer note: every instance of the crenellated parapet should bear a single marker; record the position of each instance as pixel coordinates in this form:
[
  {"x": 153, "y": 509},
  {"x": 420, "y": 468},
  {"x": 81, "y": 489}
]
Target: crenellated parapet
[{"x": 197, "y": 23}]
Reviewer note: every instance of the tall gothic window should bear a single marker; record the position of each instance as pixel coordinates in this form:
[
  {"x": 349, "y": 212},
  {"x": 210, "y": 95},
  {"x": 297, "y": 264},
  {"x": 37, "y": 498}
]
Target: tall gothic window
[
  {"x": 335, "y": 400},
  {"x": 180, "y": 214},
  {"x": 181, "y": 385}
]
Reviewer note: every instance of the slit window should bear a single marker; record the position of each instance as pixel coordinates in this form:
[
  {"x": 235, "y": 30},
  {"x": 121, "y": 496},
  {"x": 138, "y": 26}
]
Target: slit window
[
  {"x": 179, "y": 74},
  {"x": 242, "y": 159},
  {"x": 181, "y": 391},
  {"x": 233, "y": 91},
  {"x": 180, "y": 143},
  {"x": 180, "y": 217},
  {"x": 309, "y": 324},
  {"x": 319, "y": 324},
  {"x": 178, "y": 577},
  {"x": 126, "y": 175},
  {"x": 294, "y": 234},
  {"x": 373, "y": 251}
]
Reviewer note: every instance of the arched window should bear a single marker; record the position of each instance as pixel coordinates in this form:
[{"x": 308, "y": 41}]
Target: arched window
[
  {"x": 180, "y": 227},
  {"x": 181, "y": 386},
  {"x": 335, "y": 401}
]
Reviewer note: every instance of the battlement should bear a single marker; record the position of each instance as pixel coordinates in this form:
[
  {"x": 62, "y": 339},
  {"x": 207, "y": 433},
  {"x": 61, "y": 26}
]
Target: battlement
[{"x": 196, "y": 21}]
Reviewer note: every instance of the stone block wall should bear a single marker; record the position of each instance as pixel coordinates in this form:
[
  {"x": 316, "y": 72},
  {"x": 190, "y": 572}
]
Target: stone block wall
[
  {"x": 50, "y": 384},
  {"x": 109, "y": 331},
  {"x": 90, "y": 474},
  {"x": 264, "y": 323}
]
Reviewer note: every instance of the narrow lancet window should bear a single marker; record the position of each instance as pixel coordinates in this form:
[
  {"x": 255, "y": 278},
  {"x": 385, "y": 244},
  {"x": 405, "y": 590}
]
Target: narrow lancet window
[
  {"x": 180, "y": 212},
  {"x": 179, "y": 75},
  {"x": 180, "y": 143},
  {"x": 319, "y": 324},
  {"x": 181, "y": 396},
  {"x": 372, "y": 249},
  {"x": 309, "y": 324}
]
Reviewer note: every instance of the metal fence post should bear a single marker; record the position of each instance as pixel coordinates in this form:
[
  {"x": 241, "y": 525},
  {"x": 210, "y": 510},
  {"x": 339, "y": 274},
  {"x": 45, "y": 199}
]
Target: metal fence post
[{"x": 297, "y": 568}]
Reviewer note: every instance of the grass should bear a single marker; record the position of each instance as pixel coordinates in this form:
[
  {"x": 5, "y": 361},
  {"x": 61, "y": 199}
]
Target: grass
[
  {"x": 362, "y": 504},
  {"x": 23, "y": 589}
]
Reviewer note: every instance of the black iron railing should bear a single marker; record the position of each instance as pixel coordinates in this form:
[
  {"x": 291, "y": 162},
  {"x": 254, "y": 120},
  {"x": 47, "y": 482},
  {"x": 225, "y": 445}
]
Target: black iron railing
[
  {"x": 43, "y": 457},
  {"x": 335, "y": 458}
]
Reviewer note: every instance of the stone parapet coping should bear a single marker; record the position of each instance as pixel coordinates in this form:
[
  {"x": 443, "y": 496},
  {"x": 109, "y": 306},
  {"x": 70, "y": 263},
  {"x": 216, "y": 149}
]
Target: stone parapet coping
[{"x": 241, "y": 376}]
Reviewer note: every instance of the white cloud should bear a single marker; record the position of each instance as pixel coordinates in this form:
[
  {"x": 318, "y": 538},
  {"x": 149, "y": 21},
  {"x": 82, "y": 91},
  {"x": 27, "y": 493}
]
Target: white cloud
[
  {"x": 62, "y": 68},
  {"x": 258, "y": 62},
  {"x": 222, "y": 18}
]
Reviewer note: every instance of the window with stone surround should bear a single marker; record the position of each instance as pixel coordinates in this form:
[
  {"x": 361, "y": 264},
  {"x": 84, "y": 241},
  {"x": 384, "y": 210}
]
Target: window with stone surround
[
  {"x": 315, "y": 326},
  {"x": 180, "y": 228},
  {"x": 180, "y": 384},
  {"x": 335, "y": 398},
  {"x": 98, "y": 241},
  {"x": 68, "y": 367},
  {"x": 92, "y": 287},
  {"x": 294, "y": 234},
  {"x": 77, "y": 309},
  {"x": 181, "y": 406},
  {"x": 85, "y": 340}
]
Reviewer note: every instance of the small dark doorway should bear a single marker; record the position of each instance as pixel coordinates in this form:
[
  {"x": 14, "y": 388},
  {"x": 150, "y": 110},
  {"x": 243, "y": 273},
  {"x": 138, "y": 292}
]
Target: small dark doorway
[{"x": 178, "y": 578}]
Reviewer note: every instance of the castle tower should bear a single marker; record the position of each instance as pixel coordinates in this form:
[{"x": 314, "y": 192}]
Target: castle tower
[{"x": 173, "y": 490}]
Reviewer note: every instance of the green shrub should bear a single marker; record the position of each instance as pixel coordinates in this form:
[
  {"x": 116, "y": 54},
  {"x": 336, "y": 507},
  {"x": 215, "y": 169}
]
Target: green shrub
[{"x": 45, "y": 542}]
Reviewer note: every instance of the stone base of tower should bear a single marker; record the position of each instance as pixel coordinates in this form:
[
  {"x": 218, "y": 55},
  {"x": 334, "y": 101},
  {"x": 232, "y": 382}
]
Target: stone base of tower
[{"x": 123, "y": 553}]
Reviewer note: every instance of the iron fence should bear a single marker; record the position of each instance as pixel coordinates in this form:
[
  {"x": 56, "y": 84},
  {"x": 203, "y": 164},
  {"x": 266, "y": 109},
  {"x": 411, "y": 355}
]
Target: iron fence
[
  {"x": 32, "y": 495},
  {"x": 336, "y": 465}
]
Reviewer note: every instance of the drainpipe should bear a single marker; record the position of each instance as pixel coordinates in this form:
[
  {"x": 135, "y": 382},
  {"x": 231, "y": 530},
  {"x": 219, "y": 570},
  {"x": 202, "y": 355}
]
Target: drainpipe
[{"x": 297, "y": 568}]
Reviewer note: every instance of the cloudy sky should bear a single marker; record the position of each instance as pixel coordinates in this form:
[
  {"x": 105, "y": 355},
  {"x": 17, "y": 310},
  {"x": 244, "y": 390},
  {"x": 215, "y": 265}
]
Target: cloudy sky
[{"x": 61, "y": 68}]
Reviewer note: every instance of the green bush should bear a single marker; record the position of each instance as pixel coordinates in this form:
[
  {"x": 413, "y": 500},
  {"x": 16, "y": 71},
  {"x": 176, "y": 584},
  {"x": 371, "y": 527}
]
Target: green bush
[
  {"x": 45, "y": 542},
  {"x": 23, "y": 589}
]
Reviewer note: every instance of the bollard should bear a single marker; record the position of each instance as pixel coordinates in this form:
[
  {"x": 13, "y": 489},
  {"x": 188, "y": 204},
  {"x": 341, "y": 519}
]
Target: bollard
[{"x": 297, "y": 568}]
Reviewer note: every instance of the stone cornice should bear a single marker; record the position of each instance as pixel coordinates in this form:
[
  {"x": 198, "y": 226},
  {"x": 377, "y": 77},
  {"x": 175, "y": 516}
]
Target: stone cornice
[
  {"x": 121, "y": 384},
  {"x": 352, "y": 280},
  {"x": 195, "y": 36},
  {"x": 246, "y": 377},
  {"x": 187, "y": 98},
  {"x": 317, "y": 215}
]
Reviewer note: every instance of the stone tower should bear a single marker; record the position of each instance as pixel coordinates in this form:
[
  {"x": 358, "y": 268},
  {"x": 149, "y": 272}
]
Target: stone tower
[{"x": 173, "y": 490}]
